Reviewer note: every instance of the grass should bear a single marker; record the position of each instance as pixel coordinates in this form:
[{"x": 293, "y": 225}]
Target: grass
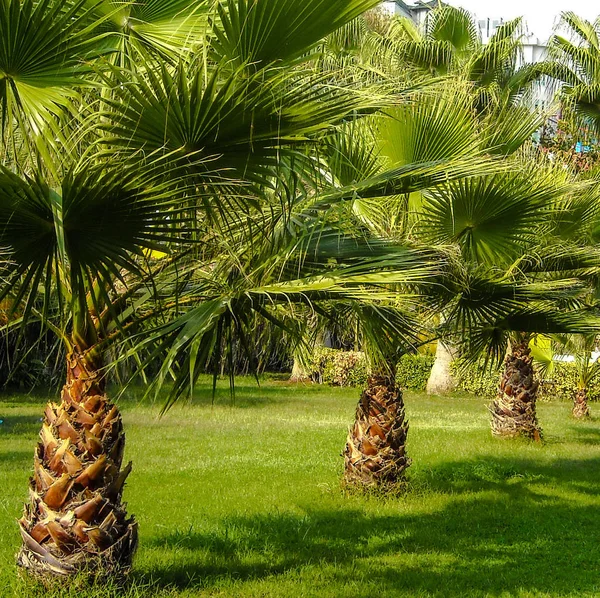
[{"x": 244, "y": 501}]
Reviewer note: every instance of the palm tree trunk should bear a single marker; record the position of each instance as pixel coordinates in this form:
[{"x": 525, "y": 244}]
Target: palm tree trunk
[
  {"x": 375, "y": 454},
  {"x": 514, "y": 410},
  {"x": 440, "y": 380},
  {"x": 299, "y": 372},
  {"x": 581, "y": 409},
  {"x": 75, "y": 522}
]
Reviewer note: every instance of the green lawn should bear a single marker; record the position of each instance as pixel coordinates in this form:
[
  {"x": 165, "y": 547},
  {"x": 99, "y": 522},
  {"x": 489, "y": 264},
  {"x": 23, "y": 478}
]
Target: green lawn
[{"x": 245, "y": 500}]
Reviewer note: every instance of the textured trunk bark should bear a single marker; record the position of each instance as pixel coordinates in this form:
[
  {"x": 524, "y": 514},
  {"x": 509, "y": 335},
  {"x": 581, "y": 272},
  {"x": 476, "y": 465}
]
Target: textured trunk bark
[
  {"x": 441, "y": 381},
  {"x": 75, "y": 522},
  {"x": 514, "y": 410},
  {"x": 375, "y": 454},
  {"x": 581, "y": 409}
]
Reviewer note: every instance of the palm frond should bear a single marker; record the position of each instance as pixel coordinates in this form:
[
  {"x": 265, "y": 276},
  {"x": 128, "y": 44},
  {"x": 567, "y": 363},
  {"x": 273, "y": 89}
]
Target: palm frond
[
  {"x": 44, "y": 59},
  {"x": 474, "y": 213},
  {"x": 261, "y": 32}
]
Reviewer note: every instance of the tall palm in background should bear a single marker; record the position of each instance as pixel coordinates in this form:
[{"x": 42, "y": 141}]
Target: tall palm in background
[
  {"x": 449, "y": 45},
  {"x": 540, "y": 201},
  {"x": 577, "y": 58},
  {"x": 496, "y": 221},
  {"x": 490, "y": 217},
  {"x": 588, "y": 369}
]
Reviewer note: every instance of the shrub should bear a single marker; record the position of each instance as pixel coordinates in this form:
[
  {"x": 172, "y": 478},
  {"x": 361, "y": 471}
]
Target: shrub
[
  {"x": 339, "y": 368},
  {"x": 413, "y": 371},
  {"x": 558, "y": 386},
  {"x": 351, "y": 368},
  {"x": 476, "y": 380},
  {"x": 563, "y": 381}
]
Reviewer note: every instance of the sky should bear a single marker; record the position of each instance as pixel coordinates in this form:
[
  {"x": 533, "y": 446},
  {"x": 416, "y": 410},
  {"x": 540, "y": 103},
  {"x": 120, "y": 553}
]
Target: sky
[{"x": 540, "y": 15}]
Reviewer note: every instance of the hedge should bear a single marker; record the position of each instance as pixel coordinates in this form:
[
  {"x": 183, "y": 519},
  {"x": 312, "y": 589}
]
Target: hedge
[
  {"x": 413, "y": 371},
  {"x": 351, "y": 368},
  {"x": 560, "y": 385},
  {"x": 339, "y": 368},
  {"x": 476, "y": 380}
]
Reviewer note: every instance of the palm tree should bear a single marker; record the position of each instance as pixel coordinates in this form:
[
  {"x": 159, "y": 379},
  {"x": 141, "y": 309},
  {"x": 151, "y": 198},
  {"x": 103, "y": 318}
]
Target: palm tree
[
  {"x": 450, "y": 45},
  {"x": 375, "y": 455},
  {"x": 427, "y": 129},
  {"x": 419, "y": 132},
  {"x": 77, "y": 242},
  {"x": 504, "y": 324},
  {"x": 588, "y": 369},
  {"x": 101, "y": 168},
  {"x": 577, "y": 66},
  {"x": 320, "y": 245}
]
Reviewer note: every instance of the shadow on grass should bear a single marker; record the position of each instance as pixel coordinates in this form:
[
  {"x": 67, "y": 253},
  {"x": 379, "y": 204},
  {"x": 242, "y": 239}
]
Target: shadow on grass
[
  {"x": 584, "y": 432},
  {"x": 502, "y": 474},
  {"x": 20, "y": 425},
  {"x": 499, "y": 533},
  {"x": 17, "y": 460},
  {"x": 21, "y": 398},
  {"x": 248, "y": 395}
]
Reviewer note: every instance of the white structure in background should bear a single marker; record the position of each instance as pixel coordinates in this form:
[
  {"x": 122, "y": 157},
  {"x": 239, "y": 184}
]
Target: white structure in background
[
  {"x": 534, "y": 49},
  {"x": 571, "y": 358},
  {"x": 416, "y": 11}
]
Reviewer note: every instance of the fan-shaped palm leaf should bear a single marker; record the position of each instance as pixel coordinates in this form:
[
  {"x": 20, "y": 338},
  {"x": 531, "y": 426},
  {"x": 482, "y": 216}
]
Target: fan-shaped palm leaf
[
  {"x": 43, "y": 61},
  {"x": 166, "y": 27},
  {"x": 260, "y": 32}
]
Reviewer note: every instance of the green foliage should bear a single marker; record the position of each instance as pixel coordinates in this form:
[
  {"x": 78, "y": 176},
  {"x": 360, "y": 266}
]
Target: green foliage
[
  {"x": 265, "y": 31},
  {"x": 339, "y": 368},
  {"x": 577, "y": 59},
  {"x": 476, "y": 380},
  {"x": 558, "y": 386},
  {"x": 413, "y": 371},
  {"x": 351, "y": 368},
  {"x": 564, "y": 381}
]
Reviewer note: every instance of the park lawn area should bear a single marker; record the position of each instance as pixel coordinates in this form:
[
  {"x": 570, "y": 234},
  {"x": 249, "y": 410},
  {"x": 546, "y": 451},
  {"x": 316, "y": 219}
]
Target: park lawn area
[{"x": 244, "y": 500}]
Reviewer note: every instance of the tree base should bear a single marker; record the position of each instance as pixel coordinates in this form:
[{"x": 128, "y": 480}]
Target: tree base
[
  {"x": 75, "y": 524},
  {"x": 113, "y": 565},
  {"x": 514, "y": 410},
  {"x": 581, "y": 409},
  {"x": 510, "y": 421},
  {"x": 375, "y": 454}
]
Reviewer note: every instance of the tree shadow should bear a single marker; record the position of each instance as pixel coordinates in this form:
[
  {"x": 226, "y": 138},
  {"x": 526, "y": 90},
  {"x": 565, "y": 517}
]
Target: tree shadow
[
  {"x": 17, "y": 460},
  {"x": 20, "y": 425},
  {"x": 247, "y": 394},
  {"x": 583, "y": 432},
  {"x": 23, "y": 398},
  {"x": 501, "y": 474},
  {"x": 481, "y": 542}
]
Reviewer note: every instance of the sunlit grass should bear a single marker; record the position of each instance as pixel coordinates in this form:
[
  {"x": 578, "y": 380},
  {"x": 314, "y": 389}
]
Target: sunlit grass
[{"x": 244, "y": 500}]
